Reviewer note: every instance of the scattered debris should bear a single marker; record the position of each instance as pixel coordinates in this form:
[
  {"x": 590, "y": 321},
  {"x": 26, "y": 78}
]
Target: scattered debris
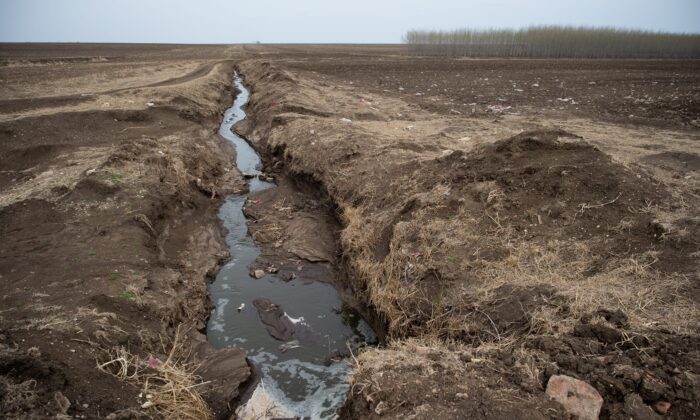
[
  {"x": 153, "y": 362},
  {"x": 284, "y": 347},
  {"x": 498, "y": 108}
]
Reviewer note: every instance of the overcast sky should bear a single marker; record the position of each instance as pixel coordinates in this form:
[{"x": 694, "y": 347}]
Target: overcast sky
[{"x": 356, "y": 21}]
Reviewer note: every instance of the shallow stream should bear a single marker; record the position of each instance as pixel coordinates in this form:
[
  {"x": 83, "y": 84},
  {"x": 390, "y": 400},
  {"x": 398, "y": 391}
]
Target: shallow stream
[{"x": 303, "y": 377}]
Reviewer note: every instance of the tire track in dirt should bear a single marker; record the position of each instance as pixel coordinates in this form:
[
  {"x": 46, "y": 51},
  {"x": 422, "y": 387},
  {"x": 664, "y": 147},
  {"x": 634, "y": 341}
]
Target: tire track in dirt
[{"x": 11, "y": 106}]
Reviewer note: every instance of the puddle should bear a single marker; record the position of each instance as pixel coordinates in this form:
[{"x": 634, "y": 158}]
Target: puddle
[{"x": 308, "y": 379}]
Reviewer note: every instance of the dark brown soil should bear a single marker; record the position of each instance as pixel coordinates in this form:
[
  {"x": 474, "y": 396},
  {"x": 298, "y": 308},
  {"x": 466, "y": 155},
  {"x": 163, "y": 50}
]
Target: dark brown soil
[
  {"x": 492, "y": 249},
  {"x": 490, "y": 233},
  {"x": 658, "y": 93},
  {"x": 109, "y": 230}
]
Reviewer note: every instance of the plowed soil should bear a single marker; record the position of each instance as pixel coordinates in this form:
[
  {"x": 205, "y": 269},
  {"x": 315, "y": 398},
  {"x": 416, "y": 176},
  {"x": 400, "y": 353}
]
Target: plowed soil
[
  {"x": 111, "y": 175},
  {"x": 497, "y": 221},
  {"x": 502, "y": 221}
]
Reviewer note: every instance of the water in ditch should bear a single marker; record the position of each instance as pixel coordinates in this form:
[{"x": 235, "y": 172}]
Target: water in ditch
[{"x": 303, "y": 377}]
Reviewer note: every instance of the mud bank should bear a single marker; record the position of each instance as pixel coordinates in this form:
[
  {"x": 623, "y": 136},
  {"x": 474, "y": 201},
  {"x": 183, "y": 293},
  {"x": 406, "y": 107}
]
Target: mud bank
[
  {"x": 508, "y": 257},
  {"x": 278, "y": 303},
  {"x": 108, "y": 214}
]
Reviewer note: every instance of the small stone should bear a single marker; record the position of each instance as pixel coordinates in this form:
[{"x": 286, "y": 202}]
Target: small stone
[
  {"x": 577, "y": 397},
  {"x": 258, "y": 274},
  {"x": 247, "y": 175},
  {"x": 662, "y": 407},
  {"x": 272, "y": 269}
]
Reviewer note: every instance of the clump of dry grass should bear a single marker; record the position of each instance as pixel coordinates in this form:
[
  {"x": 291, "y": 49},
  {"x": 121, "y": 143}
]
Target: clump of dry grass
[{"x": 171, "y": 388}]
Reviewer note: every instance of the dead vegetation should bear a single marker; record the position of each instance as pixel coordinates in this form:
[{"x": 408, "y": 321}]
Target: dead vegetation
[{"x": 170, "y": 388}]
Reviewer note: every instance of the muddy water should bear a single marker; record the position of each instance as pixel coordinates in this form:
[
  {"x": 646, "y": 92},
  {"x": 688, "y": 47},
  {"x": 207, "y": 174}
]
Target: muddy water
[{"x": 303, "y": 379}]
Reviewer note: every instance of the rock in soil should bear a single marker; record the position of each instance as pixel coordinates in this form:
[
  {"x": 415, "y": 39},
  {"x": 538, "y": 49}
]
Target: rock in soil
[
  {"x": 222, "y": 372},
  {"x": 662, "y": 407},
  {"x": 578, "y": 398},
  {"x": 274, "y": 320}
]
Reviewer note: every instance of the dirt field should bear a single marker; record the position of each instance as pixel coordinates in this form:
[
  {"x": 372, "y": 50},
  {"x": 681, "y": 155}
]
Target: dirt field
[
  {"x": 111, "y": 177},
  {"x": 497, "y": 221},
  {"x": 503, "y": 221}
]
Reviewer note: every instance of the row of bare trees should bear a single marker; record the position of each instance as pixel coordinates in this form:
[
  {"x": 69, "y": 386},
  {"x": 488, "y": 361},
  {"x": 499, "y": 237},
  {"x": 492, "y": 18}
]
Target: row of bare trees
[{"x": 554, "y": 42}]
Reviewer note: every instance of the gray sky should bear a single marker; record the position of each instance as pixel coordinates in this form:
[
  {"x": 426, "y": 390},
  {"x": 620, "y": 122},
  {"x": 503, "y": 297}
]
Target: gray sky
[{"x": 356, "y": 21}]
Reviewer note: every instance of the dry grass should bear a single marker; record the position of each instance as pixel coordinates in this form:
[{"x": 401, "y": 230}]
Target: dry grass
[
  {"x": 170, "y": 388},
  {"x": 386, "y": 378},
  {"x": 650, "y": 298}
]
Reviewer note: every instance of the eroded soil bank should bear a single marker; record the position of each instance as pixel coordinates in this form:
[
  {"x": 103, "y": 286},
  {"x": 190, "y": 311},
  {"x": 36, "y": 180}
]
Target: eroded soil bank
[
  {"x": 112, "y": 176},
  {"x": 497, "y": 249}
]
